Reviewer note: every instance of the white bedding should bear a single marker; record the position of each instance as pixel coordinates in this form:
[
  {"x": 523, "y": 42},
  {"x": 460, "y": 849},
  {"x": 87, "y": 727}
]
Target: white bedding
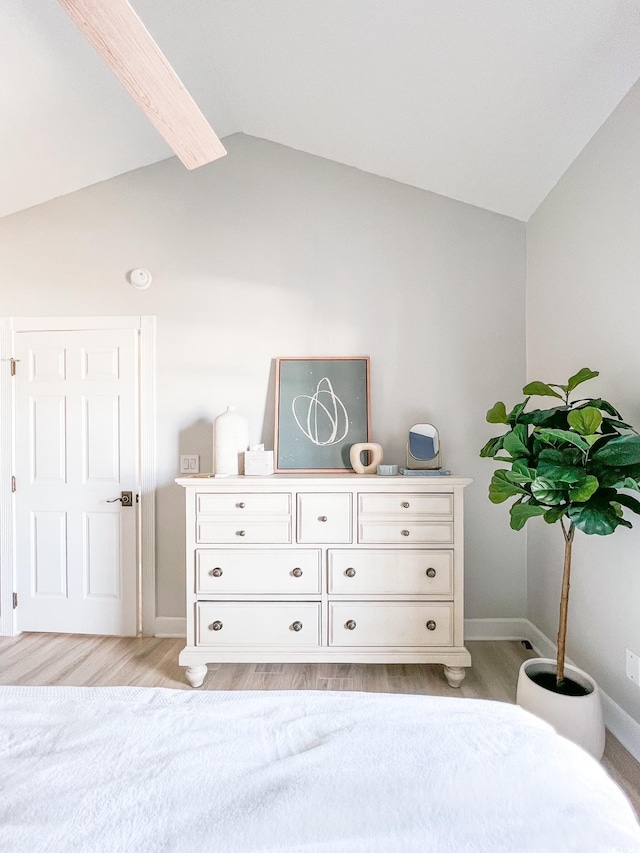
[{"x": 150, "y": 770}]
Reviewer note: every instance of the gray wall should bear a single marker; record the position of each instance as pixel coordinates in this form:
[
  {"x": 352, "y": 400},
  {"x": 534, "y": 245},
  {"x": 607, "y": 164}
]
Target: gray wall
[
  {"x": 583, "y": 309},
  {"x": 271, "y": 252}
]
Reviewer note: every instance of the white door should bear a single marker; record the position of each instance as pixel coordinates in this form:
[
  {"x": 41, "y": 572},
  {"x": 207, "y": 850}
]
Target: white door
[{"x": 76, "y": 449}]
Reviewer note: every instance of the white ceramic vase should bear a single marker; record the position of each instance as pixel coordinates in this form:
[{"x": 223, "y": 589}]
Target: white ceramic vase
[
  {"x": 230, "y": 440},
  {"x": 578, "y": 718}
]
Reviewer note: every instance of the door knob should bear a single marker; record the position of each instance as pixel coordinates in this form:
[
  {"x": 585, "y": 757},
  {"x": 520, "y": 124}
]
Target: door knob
[{"x": 126, "y": 499}]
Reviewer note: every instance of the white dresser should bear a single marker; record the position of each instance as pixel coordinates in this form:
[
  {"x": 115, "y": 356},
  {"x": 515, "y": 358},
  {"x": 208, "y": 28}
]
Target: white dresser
[{"x": 325, "y": 567}]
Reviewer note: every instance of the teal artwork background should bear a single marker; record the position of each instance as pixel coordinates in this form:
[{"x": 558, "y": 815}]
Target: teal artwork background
[{"x": 323, "y": 410}]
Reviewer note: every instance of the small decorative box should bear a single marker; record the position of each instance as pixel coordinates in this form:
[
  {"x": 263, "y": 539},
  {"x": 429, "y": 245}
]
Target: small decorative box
[{"x": 258, "y": 463}]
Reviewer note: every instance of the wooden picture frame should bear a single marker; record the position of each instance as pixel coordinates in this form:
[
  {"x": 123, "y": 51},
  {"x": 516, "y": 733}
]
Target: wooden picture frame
[{"x": 323, "y": 407}]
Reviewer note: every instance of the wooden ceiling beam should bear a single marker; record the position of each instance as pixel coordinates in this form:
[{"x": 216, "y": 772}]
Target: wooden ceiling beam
[{"x": 126, "y": 46}]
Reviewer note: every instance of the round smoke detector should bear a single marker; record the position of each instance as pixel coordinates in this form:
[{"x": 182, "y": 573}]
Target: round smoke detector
[{"x": 140, "y": 279}]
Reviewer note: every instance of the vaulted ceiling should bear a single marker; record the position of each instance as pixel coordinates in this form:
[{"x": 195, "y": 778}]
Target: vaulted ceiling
[{"x": 485, "y": 101}]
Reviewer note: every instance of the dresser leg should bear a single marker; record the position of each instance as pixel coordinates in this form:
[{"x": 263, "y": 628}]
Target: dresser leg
[
  {"x": 454, "y": 675},
  {"x": 195, "y": 675}
]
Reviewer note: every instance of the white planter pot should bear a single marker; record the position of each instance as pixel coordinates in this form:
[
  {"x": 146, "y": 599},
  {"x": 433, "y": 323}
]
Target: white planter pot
[{"x": 578, "y": 718}]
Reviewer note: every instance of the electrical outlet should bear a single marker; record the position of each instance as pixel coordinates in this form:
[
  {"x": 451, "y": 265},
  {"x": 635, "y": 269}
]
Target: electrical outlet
[
  {"x": 633, "y": 667},
  {"x": 189, "y": 463}
]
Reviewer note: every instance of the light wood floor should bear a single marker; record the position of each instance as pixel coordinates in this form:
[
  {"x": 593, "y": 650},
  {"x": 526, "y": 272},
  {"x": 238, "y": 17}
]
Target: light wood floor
[{"x": 74, "y": 659}]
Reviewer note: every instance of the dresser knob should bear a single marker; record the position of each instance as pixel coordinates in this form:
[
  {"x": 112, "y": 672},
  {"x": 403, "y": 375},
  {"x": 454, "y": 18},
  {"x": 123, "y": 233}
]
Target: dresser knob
[
  {"x": 241, "y": 505},
  {"x": 350, "y": 573},
  {"x": 322, "y": 518},
  {"x": 405, "y": 504},
  {"x": 405, "y": 532},
  {"x": 431, "y": 573},
  {"x": 431, "y": 625},
  {"x": 239, "y": 532},
  {"x": 297, "y": 626},
  {"x": 215, "y": 626},
  {"x": 216, "y": 573},
  {"x": 350, "y": 625},
  {"x": 297, "y": 573}
]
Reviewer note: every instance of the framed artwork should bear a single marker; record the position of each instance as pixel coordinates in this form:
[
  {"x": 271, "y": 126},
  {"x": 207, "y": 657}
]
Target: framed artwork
[{"x": 322, "y": 409}]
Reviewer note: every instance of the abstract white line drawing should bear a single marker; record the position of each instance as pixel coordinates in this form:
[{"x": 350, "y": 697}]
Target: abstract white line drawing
[{"x": 327, "y": 420}]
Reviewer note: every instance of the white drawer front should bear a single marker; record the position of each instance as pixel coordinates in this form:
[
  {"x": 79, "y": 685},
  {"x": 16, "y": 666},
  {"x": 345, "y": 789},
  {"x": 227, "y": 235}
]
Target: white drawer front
[
  {"x": 391, "y": 573},
  {"x": 242, "y": 531},
  {"x": 262, "y": 572},
  {"x": 401, "y": 623},
  {"x": 249, "y": 623},
  {"x": 406, "y": 504},
  {"x": 324, "y": 518},
  {"x": 407, "y": 533},
  {"x": 246, "y": 504}
]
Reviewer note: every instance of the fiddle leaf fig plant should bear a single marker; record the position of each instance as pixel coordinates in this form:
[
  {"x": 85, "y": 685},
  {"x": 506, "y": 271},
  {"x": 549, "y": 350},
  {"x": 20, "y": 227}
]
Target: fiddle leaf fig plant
[{"x": 575, "y": 463}]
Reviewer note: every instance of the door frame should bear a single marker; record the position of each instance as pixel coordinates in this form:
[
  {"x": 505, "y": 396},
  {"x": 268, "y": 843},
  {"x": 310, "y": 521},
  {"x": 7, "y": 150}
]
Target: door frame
[{"x": 145, "y": 325}]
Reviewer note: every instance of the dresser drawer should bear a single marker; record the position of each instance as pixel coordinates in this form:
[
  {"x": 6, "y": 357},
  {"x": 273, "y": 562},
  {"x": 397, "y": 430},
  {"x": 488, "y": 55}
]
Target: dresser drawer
[
  {"x": 406, "y": 533},
  {"x": 248, "y": 623},
  {"x": 372, "y": 623},
  {"x": 260, "y": 572},
  {"x": 405, "y": 505},
  {"x": 324, "y": 518},
  {"x": 244, "y": 531},
  {"x": 391, "y": 573},
  {"x": 244, "y": 504}
]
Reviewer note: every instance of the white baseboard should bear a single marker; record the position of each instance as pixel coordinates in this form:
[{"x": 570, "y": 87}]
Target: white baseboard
[
  {"x": 171, "y": 626},
  {"x": 497, "y": 629},
  {"x": 619, "y": 723},
  {"x": 622, "y": 725}
]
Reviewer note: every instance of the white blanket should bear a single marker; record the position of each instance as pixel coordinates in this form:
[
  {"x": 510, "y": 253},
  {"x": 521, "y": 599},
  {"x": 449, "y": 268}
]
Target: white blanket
[{"x": 150, "y": 770}]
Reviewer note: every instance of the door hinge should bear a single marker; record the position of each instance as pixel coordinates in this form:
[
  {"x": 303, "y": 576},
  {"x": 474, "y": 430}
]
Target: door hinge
[
  {"x": 13, "y": 484},
  {"x": 14, "y": 368},
  {"x": 15, "y": 600}
]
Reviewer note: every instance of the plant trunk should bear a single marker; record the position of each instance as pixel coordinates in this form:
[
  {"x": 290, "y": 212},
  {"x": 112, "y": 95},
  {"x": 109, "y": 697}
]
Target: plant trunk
[{"x": 564, "y": 605}]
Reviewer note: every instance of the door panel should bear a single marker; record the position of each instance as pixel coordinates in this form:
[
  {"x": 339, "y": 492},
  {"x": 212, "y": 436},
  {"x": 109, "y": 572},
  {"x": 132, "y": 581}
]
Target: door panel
[{"x": 76, "y": 450}]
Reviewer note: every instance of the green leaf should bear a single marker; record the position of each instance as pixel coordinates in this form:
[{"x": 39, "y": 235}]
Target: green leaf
[
  {"x": 497, "y": 414},
  {"x": 522, "y": 512},
  {"x": 599, "y": 515},
  {"x": 567, "y": 456},
  {"x": 582, "y": 491},
  {"x": 591, "y": 439},
  {"x": 602, "y": 405},
  {"x": 521, "y": 467},
  {"x": 547, "y": 492},
  {"x": 516, "y": 441},
  {"x": 613, "y": 477},
  {"x": 616, "y": 424},
  {"x": 493, "y": 446},
  {"x": 515, "y": 413},
  {"x": 630, "y": 483},
  {"x": 554, "y": 435},
  {"x": 560, "y": 466},
  {"x": 585, "y": 421},
  {"x": 580, "y": 377},
  {"x": 623, "y": 450},
  {"x": 554, "y": 514},
  {"x": 516, "y": 477},
  {"x": 593, "y": 520},
  {"x": 501, "y": 488},
  {"x": 553, "y": 418},
  {"x": 630, "y": 502},
  {"x": 540, "y": 389}
]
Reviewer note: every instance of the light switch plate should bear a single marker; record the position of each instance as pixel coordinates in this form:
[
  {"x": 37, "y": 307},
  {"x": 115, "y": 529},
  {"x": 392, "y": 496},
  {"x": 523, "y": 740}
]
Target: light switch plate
[
  {"x": 633, "y": 667},
  {"x": 189, "y": 463}
]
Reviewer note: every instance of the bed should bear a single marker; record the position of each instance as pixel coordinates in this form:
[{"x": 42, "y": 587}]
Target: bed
[{"x": 150, "y": 770}]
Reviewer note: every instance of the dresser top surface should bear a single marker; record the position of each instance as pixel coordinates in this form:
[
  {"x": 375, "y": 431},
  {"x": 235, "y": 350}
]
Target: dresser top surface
[{"x": 399, "y": 482}]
